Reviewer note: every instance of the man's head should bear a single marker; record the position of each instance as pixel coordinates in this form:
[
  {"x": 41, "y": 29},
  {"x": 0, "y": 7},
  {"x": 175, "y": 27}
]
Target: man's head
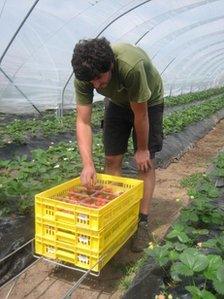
[{"x": 92, "y": 61}]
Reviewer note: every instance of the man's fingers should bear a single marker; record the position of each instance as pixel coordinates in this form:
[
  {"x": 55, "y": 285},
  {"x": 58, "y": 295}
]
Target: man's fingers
[
  {"x": 94, "y": 179},
  {"x": 142, "y": 167},
  {"x": 85, "y": 181},
  {"x": 88, "y": 181},
  {"x": 149, "y": 164},
  {"x": 145, "y": 167}
]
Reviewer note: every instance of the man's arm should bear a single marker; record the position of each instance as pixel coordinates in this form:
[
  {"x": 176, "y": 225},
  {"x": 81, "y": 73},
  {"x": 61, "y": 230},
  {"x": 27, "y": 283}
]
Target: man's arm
[
  {"x": 84, "y": 139},
  {"x": 141, "y": 124}
]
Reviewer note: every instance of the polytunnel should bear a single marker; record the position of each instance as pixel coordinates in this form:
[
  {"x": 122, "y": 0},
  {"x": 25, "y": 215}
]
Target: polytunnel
[
  {"x": 59, "y": 236},
  {"x": 38, "y": 37}
]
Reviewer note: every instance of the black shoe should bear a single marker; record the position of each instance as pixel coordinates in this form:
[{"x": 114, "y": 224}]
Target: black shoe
[{"x": 141, "y": 238}]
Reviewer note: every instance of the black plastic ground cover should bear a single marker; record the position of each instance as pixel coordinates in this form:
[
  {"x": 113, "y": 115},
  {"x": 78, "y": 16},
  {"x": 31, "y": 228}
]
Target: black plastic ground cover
[
  {"x": 13, "y": 233},
  {"x": 147, "y": 282},
  {"x": 13, "y": 150},
  {"x": 150, "y": 278}
]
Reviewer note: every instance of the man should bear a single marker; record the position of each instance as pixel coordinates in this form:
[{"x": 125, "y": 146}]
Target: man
[{"x": 124, "y": 74}]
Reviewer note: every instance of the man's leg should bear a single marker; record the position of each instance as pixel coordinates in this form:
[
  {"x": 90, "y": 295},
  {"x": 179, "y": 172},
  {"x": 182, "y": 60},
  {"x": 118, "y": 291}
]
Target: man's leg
[
  {"x": 142, "y": 237},
  {"x": 149, "y": 186},
  {"x": 116, "y": 131},
  {"x": 113, "y": 164}
]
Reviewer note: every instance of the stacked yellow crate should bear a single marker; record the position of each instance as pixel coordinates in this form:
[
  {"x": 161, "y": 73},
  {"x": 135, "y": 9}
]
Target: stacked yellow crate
[{"x": 86, "y": 236}]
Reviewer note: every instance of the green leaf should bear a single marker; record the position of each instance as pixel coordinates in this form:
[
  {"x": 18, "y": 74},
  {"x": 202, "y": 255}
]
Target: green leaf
[
  {"x": 198, "y": 294},
  {"x": 160, "y": 254},
  {"x": 218, "y": 283},
  {"x": 207, "y": 295},
  {"x": 183, "y": 237},
  {"x": 214, "y": 262},
  {"x": 179, "y": 246},
  {"x": 194, "y": 291},
  {"x": 220, "y": 273},
  {"x": 213, "y": 193},
  {"x": 4, "y": 163},
  {"x": 182, "y": 269},
  {"x": 220, "y": 241},
  {"x": 211, "y": 243},
  {"x": 178, "y": 232},
  {"x": 174, "y": 255},
  {"x": 202, "y": 231},
  {"x": 218, "y": 286},
  {"x": 187, "y": 216},
  {"x": 194, "y": 260}
]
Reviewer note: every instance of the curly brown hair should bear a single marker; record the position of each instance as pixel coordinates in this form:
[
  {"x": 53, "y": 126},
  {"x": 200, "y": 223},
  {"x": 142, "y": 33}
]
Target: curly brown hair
[{"x": 91, "y": 57}]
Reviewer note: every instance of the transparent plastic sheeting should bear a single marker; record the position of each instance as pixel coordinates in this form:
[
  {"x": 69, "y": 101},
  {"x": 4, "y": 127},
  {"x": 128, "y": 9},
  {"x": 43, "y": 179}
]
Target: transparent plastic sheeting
[{"x": 185, "y": 40}]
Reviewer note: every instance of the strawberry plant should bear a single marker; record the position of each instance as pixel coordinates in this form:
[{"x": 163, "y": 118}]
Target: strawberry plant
[
  {"x": 216, "y": 243},
  {"x": 192, "y": 253},
  {"x": 180, "y": 119},
  {"x": 199, "y": 294},
  {"x": 190, "y": 261},
  {"x": 22, "y": 178},
  {"x": 178, "y": 232},
  {"x": 190, "y": 97},
  {"x": 19, "y": 131}
]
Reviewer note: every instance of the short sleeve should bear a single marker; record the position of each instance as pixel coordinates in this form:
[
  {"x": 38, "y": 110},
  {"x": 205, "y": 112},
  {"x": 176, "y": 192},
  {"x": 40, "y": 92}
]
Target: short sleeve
[
  {"x": 83, "y": 92},
  {"x": 137, "y": 85}
]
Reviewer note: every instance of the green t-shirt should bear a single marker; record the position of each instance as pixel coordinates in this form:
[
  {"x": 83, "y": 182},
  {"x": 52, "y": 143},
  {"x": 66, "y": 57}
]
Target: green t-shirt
[{"x": 134, "y": 79}]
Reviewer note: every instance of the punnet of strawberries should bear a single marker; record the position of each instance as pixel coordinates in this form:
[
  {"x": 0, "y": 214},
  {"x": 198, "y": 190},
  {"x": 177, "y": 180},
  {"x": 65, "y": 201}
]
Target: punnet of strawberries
[{"x": 94, "y": 197}]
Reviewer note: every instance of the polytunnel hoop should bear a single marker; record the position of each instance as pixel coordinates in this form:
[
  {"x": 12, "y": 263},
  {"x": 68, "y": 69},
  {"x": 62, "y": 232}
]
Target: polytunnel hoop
[
  {"x": 20, "y": 91},
  {"x": 111, "y": 22},
  {"x": 6, "y": 50}
]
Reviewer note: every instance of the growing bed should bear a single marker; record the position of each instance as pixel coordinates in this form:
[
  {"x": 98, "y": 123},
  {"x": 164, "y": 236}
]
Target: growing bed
[
  {"x": 189, "y": 262},
  {"x": 38, "y": 153}
]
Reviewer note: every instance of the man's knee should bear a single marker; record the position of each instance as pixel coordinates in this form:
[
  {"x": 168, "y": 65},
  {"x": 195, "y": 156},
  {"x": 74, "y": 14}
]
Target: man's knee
[{"x": 113, "y": 161}]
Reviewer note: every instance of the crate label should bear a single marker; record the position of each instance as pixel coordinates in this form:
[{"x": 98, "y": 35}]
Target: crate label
[
  {"x": 83, "y": 239},
  {"x": 83, "y": 217},
  {"x": 83, "y": 259},
  {"x": 51, "y": 250}
]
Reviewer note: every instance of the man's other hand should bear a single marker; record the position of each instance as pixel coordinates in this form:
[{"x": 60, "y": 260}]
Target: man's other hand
[{"x": 142, "y": 159}]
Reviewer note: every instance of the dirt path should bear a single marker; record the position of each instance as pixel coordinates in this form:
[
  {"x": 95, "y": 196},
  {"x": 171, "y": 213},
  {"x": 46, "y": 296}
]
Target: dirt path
[{"x": 47, "y": 282}]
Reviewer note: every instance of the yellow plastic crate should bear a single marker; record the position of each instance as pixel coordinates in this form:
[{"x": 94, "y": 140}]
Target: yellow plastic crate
[
  {"x": 50, "y": 209},
  {"x": 60, "y": 235},
  {"x": 83, "y": 258}
]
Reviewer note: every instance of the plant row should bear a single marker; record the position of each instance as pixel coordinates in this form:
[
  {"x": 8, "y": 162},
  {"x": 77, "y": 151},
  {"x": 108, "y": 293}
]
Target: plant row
[
  {"x": 180, "y": 119},
  {"x": 19, "y": 131},
  {"x": 22, "y": 178},
  {"x": 192, "y": 254},
  {"x": 191, "y": 97}
]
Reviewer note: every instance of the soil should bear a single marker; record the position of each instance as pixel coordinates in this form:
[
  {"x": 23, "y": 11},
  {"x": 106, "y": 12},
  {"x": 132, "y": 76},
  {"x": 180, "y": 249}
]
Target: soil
[{"x": 46, "y": 281}]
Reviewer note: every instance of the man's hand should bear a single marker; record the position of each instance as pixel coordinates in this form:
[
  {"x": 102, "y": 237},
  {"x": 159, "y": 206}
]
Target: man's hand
[
  {"x": 88, "y": 176},
  {"x": 141, "y": 124},
  {"x": 84, "y": 138},
  {"x": 142, "y": 159}
]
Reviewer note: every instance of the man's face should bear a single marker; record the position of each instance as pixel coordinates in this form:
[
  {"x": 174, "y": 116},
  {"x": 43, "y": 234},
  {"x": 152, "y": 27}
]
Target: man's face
[{"x": 102, "y": 80}]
